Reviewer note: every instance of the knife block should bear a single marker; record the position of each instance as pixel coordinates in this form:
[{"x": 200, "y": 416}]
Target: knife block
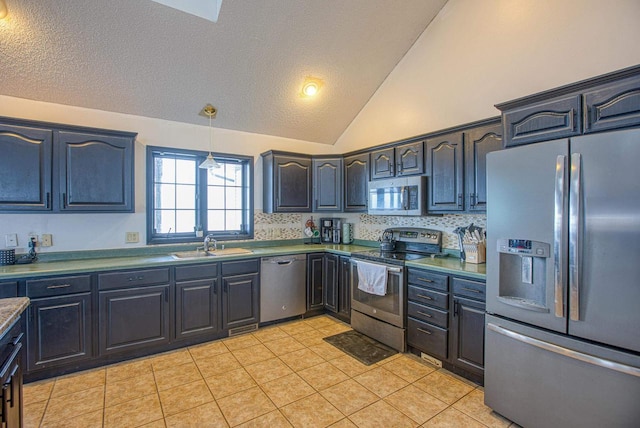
[{"x": 475, "y": 253}]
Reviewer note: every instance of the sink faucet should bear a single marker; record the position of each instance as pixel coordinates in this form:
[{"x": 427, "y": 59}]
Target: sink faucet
[{"x": 207, "y": 241}]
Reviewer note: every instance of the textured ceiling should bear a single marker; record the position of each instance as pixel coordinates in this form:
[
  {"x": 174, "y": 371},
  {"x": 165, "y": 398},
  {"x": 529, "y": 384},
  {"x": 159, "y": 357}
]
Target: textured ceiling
[{"x": 142, "y": 58}]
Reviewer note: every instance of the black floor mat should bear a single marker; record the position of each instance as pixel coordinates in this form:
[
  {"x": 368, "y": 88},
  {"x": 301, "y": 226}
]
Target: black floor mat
[{"x": 361, "y": 347}]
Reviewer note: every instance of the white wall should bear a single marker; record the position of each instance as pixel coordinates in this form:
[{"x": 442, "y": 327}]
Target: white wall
[
  {"x": 477, "y": 53},
  {"x": 101, "y": 231}
]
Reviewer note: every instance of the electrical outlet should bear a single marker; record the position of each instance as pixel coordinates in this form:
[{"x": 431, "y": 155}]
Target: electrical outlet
[
  {"x": 47, "y": 240},
  {"x": 132, "y": 237},
  {"x": 11, "y": 240}
]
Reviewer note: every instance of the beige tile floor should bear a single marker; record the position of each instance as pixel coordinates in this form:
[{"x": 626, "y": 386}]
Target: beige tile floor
[{"x": 279, "y": 376}]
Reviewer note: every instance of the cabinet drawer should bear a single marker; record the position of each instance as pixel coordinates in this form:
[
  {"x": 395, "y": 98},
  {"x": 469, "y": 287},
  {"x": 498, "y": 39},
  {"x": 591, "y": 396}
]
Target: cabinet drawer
[
  {"x": 428, "y": 297},
  {"x": 548, "y": 120},
  {"x": 240, "y": 267},
  {"x": 134, "y": 278},
  {"x": 58, "y": 286},
  {"x": 428, "y": 279},
  {"x": 8, "y": 289},
  {"x": 472, "y": 289},
  {"x": 187, "y": 273},
  {"x": 427, "y": 314},
  {"x": 427, "y": 338}
]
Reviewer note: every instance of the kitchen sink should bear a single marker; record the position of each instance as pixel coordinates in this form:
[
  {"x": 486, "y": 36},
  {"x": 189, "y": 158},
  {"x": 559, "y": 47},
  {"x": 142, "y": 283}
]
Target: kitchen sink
[{"x": 197, "y": 254}]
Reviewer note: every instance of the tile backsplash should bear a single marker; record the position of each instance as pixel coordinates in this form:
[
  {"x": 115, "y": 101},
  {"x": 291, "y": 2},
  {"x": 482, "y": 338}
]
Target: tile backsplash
[{"x": 366, "y": 227}]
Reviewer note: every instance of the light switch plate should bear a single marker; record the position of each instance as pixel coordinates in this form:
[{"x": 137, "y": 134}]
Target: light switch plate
[
  {"x": 11, "y": 239},
  {"x": 132, "y": 237}
]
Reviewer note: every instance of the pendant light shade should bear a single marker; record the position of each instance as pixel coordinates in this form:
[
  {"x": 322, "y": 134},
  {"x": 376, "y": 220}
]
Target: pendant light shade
[{"x": 209, "y": 163}]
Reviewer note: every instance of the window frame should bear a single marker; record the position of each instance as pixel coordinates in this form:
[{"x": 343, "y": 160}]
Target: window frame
[{"x": 201, "y": 196}]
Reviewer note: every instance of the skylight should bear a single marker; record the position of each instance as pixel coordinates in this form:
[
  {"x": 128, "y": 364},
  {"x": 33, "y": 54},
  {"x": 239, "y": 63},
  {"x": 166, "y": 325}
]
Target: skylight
[{"x": 207, "y": 9}]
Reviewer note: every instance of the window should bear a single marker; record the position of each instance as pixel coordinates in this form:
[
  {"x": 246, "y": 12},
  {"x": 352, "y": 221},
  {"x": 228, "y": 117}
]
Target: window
[{"x": 183, "y": 199}]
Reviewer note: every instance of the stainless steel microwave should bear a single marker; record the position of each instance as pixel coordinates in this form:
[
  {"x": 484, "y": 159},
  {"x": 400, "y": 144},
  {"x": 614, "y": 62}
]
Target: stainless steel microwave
[{"x": 398, "y": 196}]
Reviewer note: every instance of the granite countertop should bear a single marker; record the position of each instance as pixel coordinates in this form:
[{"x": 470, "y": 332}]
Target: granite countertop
[
  {"x": 10, "y": 310},
  {"x": 73, "y": 265}
]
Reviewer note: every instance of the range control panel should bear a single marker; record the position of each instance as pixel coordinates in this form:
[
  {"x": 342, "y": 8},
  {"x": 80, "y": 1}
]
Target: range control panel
[
  {"x": 417, "y": 235},
  {"x": 524, "y": 247}
]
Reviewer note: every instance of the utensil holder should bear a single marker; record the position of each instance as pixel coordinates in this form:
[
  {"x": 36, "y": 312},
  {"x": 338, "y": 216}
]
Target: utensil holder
[{"x": 475, "y": 253}]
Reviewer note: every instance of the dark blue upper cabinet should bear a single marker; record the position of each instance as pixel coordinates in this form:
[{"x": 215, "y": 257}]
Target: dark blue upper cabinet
[
  {"x": 60, "y": 168},
  {"x": 96, "y": 172},
  {"x": 25, "y": 168}
]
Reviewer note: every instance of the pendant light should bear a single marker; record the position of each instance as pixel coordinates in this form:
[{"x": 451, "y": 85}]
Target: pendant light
[{"x": 209, "y": 163}]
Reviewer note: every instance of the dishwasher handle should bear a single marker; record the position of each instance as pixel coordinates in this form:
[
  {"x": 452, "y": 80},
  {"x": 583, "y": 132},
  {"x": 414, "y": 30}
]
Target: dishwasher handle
[{"x": 284, "y": 262}]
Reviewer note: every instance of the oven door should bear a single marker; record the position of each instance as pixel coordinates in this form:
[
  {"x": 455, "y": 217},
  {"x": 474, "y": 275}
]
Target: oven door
[{"x": 388, "y": 308}]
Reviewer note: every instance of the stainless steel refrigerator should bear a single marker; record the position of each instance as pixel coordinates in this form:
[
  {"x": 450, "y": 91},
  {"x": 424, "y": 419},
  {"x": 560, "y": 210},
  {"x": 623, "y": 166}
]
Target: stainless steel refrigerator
[{"x": 563, "y": 282}]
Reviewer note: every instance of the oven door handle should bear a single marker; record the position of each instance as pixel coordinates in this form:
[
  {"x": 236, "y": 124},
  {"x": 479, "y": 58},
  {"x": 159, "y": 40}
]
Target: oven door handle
[{"x": 393, "y": 269}]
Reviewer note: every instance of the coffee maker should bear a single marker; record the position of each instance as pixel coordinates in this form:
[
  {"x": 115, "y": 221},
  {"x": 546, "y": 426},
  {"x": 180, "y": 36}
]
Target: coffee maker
[{"x": 331, "y": 230}]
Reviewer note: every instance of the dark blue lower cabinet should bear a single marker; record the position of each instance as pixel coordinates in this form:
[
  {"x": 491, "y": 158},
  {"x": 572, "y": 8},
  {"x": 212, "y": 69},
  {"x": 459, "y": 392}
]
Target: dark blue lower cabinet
[
  {"x": 134, "y": 318},
  {"x": 240, "y": 300},
  {"x": 59, "y": 331},
  {"x": 197, "y": 310}
]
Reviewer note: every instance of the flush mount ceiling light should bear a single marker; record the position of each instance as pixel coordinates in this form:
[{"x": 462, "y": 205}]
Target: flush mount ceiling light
[
  {"x": 3, "y": 9},
  {"x": 209, "y": 163},
  {"x": 311, "y": 86}
]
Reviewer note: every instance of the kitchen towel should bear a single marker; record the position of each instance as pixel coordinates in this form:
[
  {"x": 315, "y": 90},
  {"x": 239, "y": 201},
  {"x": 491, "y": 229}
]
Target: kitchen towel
[{"x": 372, "y": 278}]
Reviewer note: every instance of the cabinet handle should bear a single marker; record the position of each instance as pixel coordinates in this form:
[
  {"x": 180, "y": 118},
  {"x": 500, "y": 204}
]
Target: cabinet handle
[
  {"x": 17, "y": 339},
  {"x": 455, "y": 308},
  {"x": 64, "y": 200},
  {"x": 460, "y": 200},
  {"x": 136, "y": 278},
  {"x": 472, "y": 290},
  {"x": 51, "y": 287},
  {"x": 424, "y": 279},
  {"x": 425, "y": 297},
  {"x": 47, "y": 200},
  {"x": 425, "y": 314},
  {"x": 424, "y": 331}
]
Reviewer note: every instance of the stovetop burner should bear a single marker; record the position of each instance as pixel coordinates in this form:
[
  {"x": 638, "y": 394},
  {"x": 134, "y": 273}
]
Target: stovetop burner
[{"x": 411, "y": 243}]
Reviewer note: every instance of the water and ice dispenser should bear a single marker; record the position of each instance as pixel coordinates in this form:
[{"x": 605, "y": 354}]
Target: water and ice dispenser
[{"x": 523, "y": 266}]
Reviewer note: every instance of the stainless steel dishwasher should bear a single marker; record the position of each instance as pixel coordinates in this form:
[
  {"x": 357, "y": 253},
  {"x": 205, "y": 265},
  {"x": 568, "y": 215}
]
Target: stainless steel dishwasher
[{"x": 283, "y": 288}]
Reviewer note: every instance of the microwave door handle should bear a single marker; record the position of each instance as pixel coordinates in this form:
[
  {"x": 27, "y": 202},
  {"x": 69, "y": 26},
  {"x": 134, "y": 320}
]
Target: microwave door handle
[{"x": 405, "y": 197}]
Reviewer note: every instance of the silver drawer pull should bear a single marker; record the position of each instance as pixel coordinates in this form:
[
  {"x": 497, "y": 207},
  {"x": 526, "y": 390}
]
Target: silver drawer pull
[
  {"x": 472, "y": 290},
  {"x": 425, "y": 297},
  {"x": 133, "y": 278},
  {"x": 423, "y": 330},
  {"x": 51, "y": 287},
  {"x": 424, "y": 279},
  {"x": 425, "y": 314}
]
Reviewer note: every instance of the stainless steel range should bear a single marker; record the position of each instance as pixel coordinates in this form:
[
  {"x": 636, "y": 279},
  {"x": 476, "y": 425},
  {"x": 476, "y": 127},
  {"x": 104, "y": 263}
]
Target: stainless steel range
[{"x": 381, "y": 314}]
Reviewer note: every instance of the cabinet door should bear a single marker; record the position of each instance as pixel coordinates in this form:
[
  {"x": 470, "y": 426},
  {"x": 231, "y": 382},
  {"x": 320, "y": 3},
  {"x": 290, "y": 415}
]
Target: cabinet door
[
  {"x": 444, "y": 168},
  {"x": 292, "y": 184},
  {"x": 612, "y": 106},
  {"x": 344, "y": 288},
  {"x": 240, "y": 301},
  {"x": 330, "y": 282},
  {"x": 547, "y": 120},
  {"x": 477, "y": 143},
  {"x": 59, "y": 331},
  {"x": 25, "y": 168},
  {"x": 196, "y": 307},
  {"x": 382, "y": 163},
  {"x": 327, "y": 189},
  {"x": 467, "y": 335},
  {"x": 133, "y": 318},
  {"x": 96, "y": 172},
  {"x": 356, "y": 181},
  {"x": 315, "y": 293},
  {"x": 410, "y": 159}
]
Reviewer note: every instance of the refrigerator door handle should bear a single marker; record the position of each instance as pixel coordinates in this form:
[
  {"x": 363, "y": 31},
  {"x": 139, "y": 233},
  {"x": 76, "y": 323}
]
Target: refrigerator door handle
[
  {"x": 575, "y": 220},
  {"x": 570, "y": 353},
  {"x": 558, "y": 227}
]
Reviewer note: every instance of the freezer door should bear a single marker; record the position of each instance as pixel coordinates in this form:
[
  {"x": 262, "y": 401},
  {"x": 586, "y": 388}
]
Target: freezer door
[
  {"x": 541, "y": 379},
  {"x": 604, "y": 273},
  {"x": 527, "y": 189}
]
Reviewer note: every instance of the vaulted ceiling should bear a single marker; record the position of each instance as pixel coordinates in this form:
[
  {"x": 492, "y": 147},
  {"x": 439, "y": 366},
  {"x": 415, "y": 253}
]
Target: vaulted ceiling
[{"x": 143, "y": 58}]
